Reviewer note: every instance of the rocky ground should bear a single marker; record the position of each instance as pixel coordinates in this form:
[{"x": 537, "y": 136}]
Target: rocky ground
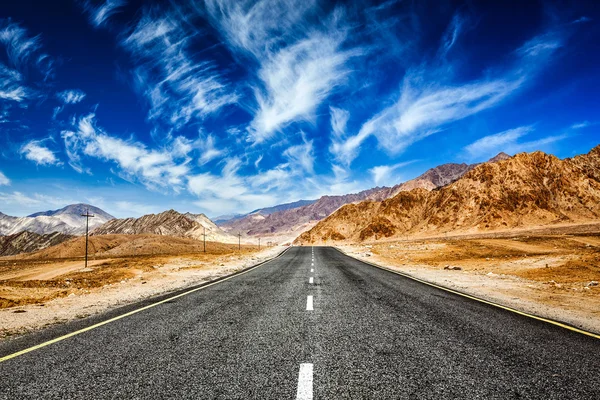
[
  {"x": 37, "y": 293},
  {"x": 554, "y": 276}
]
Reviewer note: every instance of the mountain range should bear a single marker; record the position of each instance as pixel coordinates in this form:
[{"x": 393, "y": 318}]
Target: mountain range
[
  {"x": 529, "y": 189},
  {"x": 67, "y": 220},
  {"x": 298, "y": 219},
  {"x": 169, "y": 223}
]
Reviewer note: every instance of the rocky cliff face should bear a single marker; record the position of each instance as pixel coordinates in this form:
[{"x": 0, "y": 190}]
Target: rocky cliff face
[
  {"x": 528, "y": 189},
  {"x": 168, "y": 223}
]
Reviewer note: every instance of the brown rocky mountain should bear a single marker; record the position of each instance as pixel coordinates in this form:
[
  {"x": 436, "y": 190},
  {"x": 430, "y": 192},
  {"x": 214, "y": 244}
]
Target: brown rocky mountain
[
  {"x": 529, "y": 189},
  {"x": 168, "y": 223},
  {"x": 301, "y": 218},
  {"x": 26, "y": 242}
]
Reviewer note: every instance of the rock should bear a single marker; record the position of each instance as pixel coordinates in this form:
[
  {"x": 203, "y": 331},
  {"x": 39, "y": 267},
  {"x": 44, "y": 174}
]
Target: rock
[
  {"x": 451, "y": 268},
  {"x": 19, "y": 311},
  {"x": 592, "y": 283},
  {"x": 367, "y": 255},
  {"x": 490, "y": 274}
]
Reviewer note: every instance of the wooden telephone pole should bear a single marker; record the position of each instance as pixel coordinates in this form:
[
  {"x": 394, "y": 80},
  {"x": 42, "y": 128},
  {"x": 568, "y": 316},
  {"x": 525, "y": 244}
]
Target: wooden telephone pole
[{"x": 87, "y": 216}]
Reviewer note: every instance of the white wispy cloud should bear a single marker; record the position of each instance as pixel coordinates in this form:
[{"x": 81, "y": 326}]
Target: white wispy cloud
[
  {"x": 301, "y": 156},
  {"x": 100, "y": 11},
  {"x": 301, "y": 63},
  {"x": 153, "y": 168},
  {"x": 509, "y": 141},
  {"x": 4, "y": 181},
  {"x": 38, "y": 153},
  {"x": 382, "y": 174},
  {"x": 494, "y": 144},
  {"x": 24, "y": 200},
  {"x": 72, "y": 96},
  {"x": 23, "y": 57},
  {"x": 581, "y": 125},
  {"x": 178, "y": 86},
  {"x": 295, "y": 81},
  {"x": 426, "y": 104},
  {"x": 208, "y": 150}
]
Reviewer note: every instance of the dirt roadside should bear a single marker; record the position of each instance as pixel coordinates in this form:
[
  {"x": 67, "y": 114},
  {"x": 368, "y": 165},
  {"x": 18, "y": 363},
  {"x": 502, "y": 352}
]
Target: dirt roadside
[{"x": 553, "y": 276}]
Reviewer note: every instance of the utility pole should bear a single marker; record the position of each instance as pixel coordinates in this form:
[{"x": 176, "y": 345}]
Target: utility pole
[
  {"x": 87, "y": 216},
  {"x": 239, "y": 241},
  {"x": 204, "y": 238}
]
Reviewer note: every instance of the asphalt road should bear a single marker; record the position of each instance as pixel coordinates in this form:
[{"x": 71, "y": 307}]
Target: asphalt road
[{"x": 370, "y": 334}]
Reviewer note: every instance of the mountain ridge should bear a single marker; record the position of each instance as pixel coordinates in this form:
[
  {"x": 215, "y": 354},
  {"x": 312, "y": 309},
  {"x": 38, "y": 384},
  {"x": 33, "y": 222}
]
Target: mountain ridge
[
  {"x": 67, "y": 220},
  {"x": 167, "y": 223},
  {"x": 528, "y": 189}
]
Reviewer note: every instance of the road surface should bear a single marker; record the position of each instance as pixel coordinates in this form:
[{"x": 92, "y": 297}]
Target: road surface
[{"x": 351, "y": 332}]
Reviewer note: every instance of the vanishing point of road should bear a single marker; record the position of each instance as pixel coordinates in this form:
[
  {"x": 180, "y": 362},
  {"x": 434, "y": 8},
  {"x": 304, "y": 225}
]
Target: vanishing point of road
[{"x": 312, "y": 323}]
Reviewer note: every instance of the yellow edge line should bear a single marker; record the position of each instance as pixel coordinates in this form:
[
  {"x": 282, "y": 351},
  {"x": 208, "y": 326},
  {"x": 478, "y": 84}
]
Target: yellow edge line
[
  {"x": 549, "y": 321},
  {"x": 108, "y": 321}
]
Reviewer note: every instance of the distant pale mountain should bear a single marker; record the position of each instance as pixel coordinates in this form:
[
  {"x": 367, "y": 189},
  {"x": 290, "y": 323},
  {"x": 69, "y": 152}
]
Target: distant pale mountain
[
  {"x": 303, "y": 217},
  {"x": 168, "y": 223},
  {"x": 529, "y": 189},
  {"x": 27, "y": 242},
  {"x": 227, "y": 217},
  {"x": 67, "y": 220},
  {"x": 287, "y": 220},
  {"x": 223, "y": 219}
]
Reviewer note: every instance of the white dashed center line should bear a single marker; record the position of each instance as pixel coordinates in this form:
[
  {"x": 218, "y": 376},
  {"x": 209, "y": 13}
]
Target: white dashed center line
[
  {"x": 305, "y": 382},
  {"x": 309, "y": 303},
  {"x": 311, "y": 280},
  {"x": 312, "y": 270}
]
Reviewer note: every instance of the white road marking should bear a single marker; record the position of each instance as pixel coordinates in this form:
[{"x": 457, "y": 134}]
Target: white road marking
[
  {"x": 305, "y": 382},
  {"x": 312, "y": 264},
  {"x": 309, "y": 303},
  {"x": 312, "y": 270},
  {"x": 311, "y": 280}
]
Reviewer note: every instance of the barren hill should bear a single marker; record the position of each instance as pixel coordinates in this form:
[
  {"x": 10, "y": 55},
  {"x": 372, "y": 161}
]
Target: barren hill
[
  {"x": 124, "y": 245},
  {"x": 301, "y": 218},
  {"x": 25, "y": 242},
  {"x": 168, "y": 223},
  {"x": 528, "y": 189}
]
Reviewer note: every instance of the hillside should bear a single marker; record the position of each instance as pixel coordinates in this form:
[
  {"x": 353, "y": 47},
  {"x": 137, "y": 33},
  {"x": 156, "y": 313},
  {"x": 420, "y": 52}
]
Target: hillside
[
  {"x": 67, "y": 220},
  {"x": 528, "y": 189},
  {"x": 124, "y": 245},
  {"x": 168, "y": 223},
  {"x": 301, "y": 218},
  {"x": 25, "y": 242},
  {"x": 287, "y": 220}
]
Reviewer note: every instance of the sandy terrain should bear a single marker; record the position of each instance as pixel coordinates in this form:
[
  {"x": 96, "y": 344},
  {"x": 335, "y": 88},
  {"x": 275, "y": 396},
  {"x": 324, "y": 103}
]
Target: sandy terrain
[
  {"x": 37, "y": 293},
  {"x": 554, "y": 276}
]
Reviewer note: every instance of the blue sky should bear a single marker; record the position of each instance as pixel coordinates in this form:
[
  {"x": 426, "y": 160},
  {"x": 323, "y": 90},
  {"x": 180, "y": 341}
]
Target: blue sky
[{"x": 223, "y": 106}]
